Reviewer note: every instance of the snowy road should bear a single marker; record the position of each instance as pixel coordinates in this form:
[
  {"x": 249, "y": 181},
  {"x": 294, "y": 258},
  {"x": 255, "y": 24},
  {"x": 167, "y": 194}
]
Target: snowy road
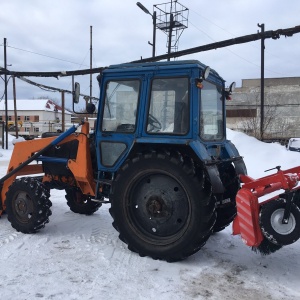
[{"x": 81, "y": 257}]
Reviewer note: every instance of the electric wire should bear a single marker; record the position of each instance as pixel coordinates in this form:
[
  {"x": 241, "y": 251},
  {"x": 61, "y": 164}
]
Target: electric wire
[
  {"x": 52, "y": 89},
  {"x": 48, "y": 56},
  {"x": 232, "y": 35}
]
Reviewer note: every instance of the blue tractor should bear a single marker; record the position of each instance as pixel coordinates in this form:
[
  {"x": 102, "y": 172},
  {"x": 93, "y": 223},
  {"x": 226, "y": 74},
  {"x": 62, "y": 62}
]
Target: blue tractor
[{"x": 162, "y": 158}]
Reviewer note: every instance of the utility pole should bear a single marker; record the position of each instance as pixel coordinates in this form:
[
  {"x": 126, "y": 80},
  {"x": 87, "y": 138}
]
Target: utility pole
[
  {"x": 5, "y": 91},
  {"x": 63, "y": 111},
  {"x": 154, "y": 34},
  {"x": 262, "y": 81},
  {"x": 170, "y": 32},
  {"x": 15, "y": 107},
  {"x": 146, "y": 11},
  {"x": 91, "y": 66}
]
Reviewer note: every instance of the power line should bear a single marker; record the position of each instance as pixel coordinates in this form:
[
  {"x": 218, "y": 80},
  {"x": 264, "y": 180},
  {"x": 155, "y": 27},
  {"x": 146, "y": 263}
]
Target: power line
[
  {"x": 274, "y": 34},
  {"x": 51, "y": 74},
  {"x": 231, "y": 34},
  {"x": 32, "y": 52},
  {"x": 52, "y": 89},
  {"x": 234, "y": 53}
]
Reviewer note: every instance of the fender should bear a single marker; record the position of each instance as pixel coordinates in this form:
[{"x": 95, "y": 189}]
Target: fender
[{"x": 214, "y": 177}]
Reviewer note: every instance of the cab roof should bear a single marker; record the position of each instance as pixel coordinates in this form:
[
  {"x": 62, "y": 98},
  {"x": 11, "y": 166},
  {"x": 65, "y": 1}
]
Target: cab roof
[{"x": 178, "y": 64}]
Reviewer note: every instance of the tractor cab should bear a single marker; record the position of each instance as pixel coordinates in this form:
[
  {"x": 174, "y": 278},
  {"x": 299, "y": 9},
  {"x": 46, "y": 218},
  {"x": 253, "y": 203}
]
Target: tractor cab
[{"x": 176, "y": 103}]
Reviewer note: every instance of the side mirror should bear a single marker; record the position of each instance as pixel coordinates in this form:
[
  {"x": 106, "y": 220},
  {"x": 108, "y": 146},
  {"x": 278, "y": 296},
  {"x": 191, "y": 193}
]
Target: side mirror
[
  {"x": 206, "y": 72},
  {"x": 76, "y": 92},
  {"x": 204, "y": 75},
  {"x": 232, "y": 87},
  {"x": 99, "y": 78},
  {"x": 230, "y": 90}
]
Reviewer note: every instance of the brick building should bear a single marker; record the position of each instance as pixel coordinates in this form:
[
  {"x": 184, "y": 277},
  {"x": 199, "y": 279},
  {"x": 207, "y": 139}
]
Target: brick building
[
  {"x": 281, "y": 109},
  {"x": 34, "y": 116}
]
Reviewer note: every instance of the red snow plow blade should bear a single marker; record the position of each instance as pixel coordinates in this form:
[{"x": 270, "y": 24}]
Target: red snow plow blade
[{"x": 277, "y": 219}]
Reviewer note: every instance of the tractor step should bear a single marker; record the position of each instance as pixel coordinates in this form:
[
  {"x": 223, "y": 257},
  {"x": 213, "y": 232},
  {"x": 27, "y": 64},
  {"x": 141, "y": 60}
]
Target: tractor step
[{"x": 100, "y": 201}]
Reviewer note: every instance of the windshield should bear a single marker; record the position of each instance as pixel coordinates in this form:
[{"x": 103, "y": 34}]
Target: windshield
[
  {"x": 169, "y": 106},
  {"x": 295, "y": 143},
  {"x": 211, "y": 112}
]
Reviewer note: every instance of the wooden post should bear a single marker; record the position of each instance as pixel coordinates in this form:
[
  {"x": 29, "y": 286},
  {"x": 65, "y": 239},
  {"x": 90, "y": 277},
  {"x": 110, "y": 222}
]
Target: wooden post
[
  {"x": 62, "y": 111},
  {"x": 15, "y": 107}
]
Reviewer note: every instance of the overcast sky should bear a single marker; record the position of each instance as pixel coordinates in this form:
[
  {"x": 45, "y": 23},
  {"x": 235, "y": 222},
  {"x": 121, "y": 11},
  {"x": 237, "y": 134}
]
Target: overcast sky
[{"x": 54, "y": 35}]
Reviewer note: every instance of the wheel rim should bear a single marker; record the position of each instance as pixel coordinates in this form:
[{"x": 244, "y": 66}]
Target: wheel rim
[
  {"x": 23, "y": 207},
  {"x": 276, "y": 222},
  {"x": 158, "y": 206}
]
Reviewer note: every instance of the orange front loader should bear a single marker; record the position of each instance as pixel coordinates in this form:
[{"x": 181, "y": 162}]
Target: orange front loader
[
  {"x": 267, "y": 225},
  {"x": 62, "y": 162}
]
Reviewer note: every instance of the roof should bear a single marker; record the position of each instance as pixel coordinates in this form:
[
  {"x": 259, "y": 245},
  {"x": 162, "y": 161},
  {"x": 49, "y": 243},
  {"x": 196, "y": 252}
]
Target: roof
[
  {"x": 150, "y": 66},
  {"x": 32, "y": 105}
]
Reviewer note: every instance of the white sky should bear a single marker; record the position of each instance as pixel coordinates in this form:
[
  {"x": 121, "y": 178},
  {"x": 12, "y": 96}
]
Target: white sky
[{"x": 121, "y": 31}]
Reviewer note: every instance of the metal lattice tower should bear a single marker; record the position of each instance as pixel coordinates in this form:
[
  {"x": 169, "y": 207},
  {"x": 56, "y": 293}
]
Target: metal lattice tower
[{"x": 172, "y": 19}]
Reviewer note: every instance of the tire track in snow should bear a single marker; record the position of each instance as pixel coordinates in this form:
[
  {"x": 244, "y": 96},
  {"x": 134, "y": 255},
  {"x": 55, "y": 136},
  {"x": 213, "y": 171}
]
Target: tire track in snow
[{"x": 7, "y": 233}]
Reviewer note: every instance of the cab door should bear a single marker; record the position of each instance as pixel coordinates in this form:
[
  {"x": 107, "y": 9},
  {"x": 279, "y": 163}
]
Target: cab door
[{"x": 118, "y": 122}]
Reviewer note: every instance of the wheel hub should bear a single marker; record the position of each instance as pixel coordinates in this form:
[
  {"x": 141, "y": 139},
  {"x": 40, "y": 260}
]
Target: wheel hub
[
  {"x": 21, "y": 206},
  {"x": 278, "y": 226},
  {"x": 159, "y": 205},
  {"x": 156, "y": 207}
]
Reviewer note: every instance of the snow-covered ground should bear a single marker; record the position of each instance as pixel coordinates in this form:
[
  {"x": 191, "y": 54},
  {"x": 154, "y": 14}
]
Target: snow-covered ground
[{"x": 81, "y": 257}]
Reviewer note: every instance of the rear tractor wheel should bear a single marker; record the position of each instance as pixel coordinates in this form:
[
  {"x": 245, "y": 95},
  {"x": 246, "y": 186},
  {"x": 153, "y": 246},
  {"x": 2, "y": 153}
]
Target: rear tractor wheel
[
  {"x": 80, "y": 203},
  {"x": 28, "y": 205},
  {"x": 160, "y": 207}
]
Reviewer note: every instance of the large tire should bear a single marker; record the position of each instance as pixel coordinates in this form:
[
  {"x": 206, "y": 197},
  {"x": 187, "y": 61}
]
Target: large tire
[
  {"x": 297, "y": 198},
  {"x": 270, "y": 219},
  {"x": 160, "y": 207},
  {"x": 227, "y": 212},
  {"x": 28, "y": 205},
  {"x": 80, "y": 203}
]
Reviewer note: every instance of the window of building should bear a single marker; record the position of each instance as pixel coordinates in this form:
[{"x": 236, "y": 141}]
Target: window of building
[
  {"x": 36, "y": 129},
  {"x": 36, "y": 119},
  {"x": 241, "y": 113},
  {"x": 9, "y": 118},
  {"x": 27, "y": 118},
  {"x": 19, "y": 118}
]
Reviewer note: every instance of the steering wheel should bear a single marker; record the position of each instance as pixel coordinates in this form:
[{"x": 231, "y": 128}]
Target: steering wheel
[{"x": 154, "y": 122}]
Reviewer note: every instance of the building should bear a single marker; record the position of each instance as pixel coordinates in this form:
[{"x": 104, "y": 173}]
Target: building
[
  {"x": 281, "y": 109},
  {"x": 34, "y": 116}
]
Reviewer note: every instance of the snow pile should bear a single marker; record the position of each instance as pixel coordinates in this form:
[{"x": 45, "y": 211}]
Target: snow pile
[{"x": 260, "y": 156}]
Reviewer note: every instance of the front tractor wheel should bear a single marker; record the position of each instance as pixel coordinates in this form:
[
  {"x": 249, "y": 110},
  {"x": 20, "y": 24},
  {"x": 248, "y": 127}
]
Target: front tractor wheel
[
  {"x": 161, "y": 208},
  {"x": 28, "y": 205},
  {"x": 270, "y": 219},
  {"x": 80, "y": 203}
]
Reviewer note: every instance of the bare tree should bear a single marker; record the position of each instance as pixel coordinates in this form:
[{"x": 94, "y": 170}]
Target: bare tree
[{"x": 251, "y": 124}]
